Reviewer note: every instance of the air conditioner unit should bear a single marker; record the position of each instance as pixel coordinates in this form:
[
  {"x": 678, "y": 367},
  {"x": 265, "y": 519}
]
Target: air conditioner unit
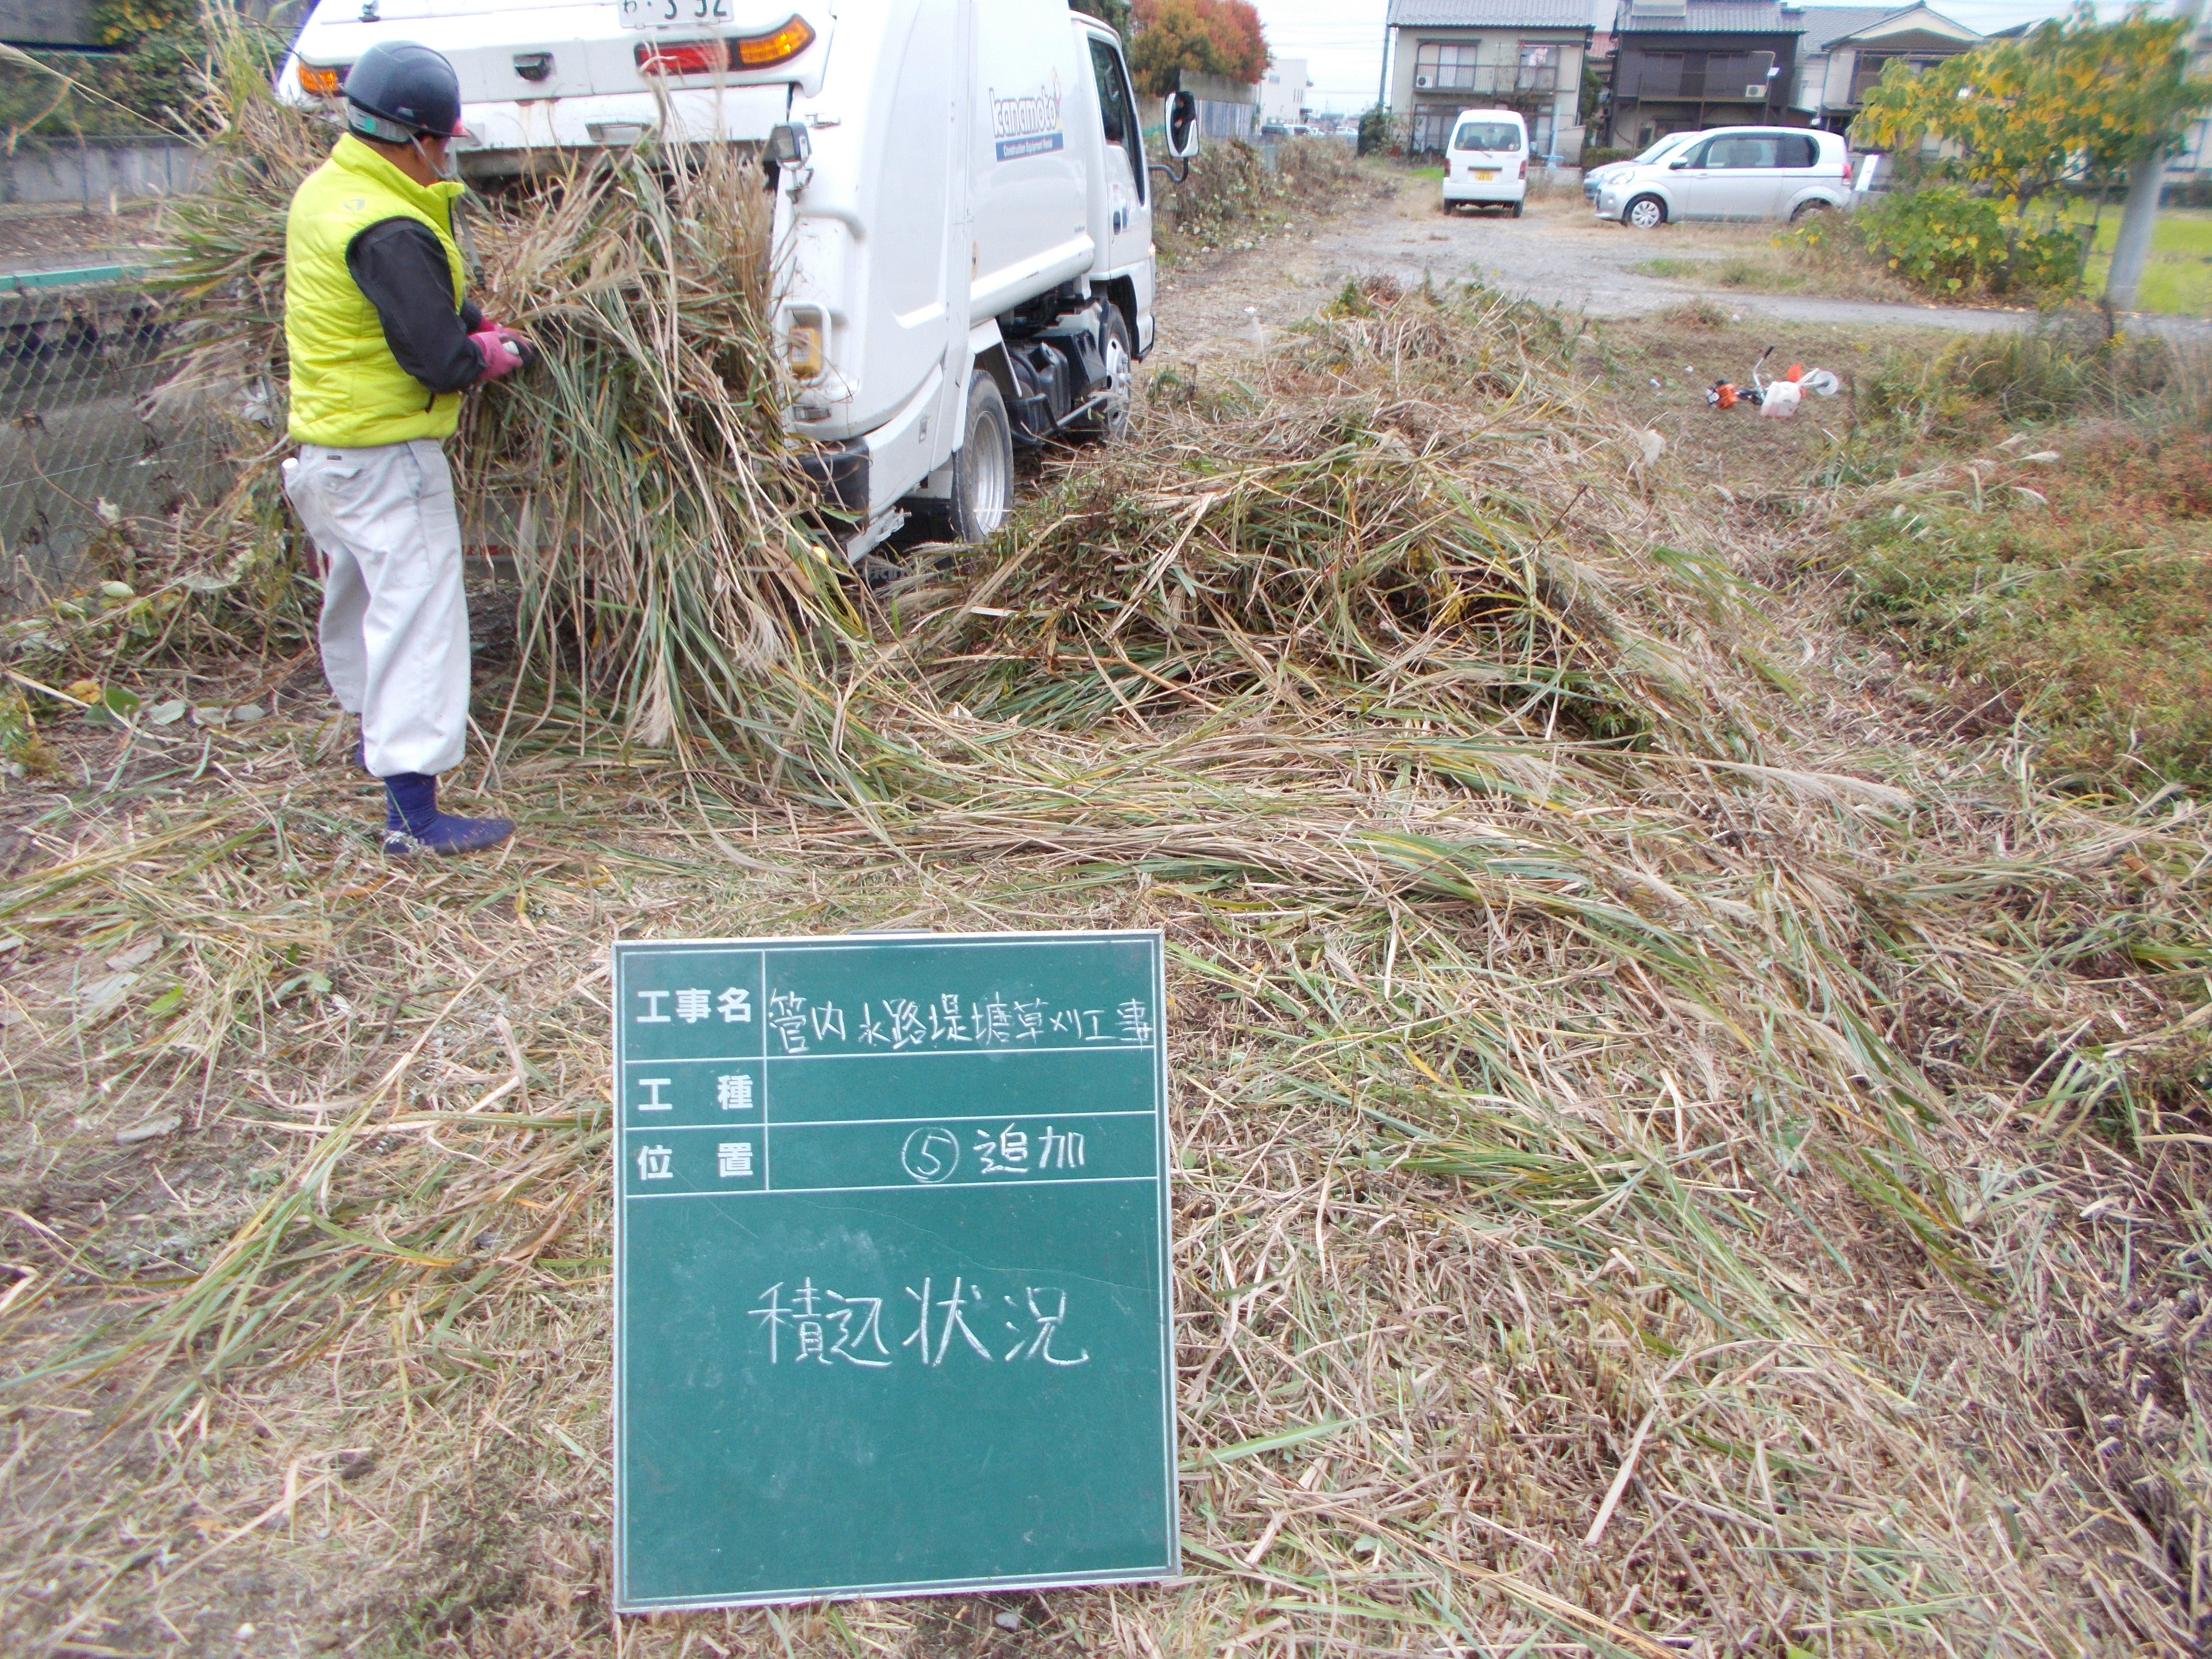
[
  {"x": 1420, "y": 80},
  {"x": 1756, "y": 91}
]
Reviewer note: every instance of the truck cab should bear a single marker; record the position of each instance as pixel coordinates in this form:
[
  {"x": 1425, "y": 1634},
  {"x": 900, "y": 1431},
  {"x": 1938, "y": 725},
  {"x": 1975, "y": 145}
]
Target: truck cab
[{"x": 961, "y": 242}]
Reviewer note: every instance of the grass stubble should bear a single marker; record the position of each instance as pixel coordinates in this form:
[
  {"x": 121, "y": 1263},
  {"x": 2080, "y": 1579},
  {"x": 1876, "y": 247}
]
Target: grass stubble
[{"x": 1658, "y": 1174}]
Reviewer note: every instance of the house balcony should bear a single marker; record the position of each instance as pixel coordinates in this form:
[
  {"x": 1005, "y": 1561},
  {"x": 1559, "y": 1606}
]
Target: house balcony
[{"x": 1486, "y": 80}]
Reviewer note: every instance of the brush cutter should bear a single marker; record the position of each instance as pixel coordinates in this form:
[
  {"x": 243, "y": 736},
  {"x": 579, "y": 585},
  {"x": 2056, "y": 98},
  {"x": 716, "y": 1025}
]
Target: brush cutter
[{"x": 1778, "y": 400}]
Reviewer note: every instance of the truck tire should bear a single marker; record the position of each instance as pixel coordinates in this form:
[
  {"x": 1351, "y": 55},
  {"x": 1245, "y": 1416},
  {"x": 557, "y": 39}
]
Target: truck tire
[
  {"x": 983, "y": 470},
  {"x": 1110, "y": 420}
]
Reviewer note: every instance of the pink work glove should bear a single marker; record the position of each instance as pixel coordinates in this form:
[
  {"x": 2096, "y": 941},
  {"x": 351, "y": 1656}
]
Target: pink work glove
[{"x": 500, "y": 349}]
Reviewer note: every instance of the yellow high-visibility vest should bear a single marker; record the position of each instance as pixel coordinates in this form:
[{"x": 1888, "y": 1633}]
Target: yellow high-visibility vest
[{"x": 347, "y": 390}]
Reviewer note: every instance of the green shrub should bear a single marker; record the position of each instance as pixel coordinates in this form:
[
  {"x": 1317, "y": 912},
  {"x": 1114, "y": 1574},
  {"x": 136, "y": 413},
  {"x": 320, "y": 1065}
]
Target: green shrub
[
  {"x": 1940, "y": 239},
  {"x": 1950, "y": 242}
]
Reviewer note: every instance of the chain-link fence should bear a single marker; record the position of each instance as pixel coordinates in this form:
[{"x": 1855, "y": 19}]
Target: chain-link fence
[{"x": 80, "y": 445}]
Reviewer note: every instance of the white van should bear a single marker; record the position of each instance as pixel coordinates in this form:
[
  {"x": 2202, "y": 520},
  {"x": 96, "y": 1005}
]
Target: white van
[
  {"x": 1486, "y": 163},
  {"x": 963, "y": 207}
]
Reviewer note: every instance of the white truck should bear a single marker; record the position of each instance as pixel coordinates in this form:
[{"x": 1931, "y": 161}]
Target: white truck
[{"x": 963, "y": 233}]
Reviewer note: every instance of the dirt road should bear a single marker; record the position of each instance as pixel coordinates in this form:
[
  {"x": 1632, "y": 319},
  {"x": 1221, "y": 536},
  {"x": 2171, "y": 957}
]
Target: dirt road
[{"x": 1558, "y": 251}]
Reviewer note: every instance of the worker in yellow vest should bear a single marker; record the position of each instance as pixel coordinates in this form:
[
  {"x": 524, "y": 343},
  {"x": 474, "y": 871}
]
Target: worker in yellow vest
[{"x": 384, "y": 340}]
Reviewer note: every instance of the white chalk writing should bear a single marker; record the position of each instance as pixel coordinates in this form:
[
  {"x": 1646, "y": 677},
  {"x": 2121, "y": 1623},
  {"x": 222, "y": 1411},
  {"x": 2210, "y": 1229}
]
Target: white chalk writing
[{"x": 807, "y": 1324}]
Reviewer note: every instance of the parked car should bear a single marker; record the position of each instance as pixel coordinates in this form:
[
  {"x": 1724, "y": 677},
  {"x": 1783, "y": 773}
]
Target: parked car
[
  {"x": 1734, "y": 173},
  {"x": 1486, "y": 163},
  {"x": 1595, "y": 177}
]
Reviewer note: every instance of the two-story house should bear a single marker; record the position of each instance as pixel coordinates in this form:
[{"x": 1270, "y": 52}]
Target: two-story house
[
  {"x": 1684, "y": 65},
  {"x": 1443, "y": 56},
  {"x": 1844, "y": 50}
]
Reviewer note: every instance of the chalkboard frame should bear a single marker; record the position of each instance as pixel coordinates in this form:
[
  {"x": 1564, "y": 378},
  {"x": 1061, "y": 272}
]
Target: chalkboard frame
[{"x": 1170, "y": 1566}]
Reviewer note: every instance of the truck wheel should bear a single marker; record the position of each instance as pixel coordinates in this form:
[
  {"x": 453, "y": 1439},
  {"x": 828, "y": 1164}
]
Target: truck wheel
[
  {"x": 1645, "y": 213},
  {"x": 1110, "y": 419},
  {"x": 983, "y": 471}
]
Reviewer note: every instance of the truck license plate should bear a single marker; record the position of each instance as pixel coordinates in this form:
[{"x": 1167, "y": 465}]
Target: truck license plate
[
  {"x": 662, "y": 14},
  {"x": 1486, "y": 174}
]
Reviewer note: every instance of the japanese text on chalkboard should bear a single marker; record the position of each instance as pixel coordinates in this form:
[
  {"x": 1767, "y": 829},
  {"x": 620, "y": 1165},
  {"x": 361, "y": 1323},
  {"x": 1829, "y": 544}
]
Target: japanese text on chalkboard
[{"x": 804, "y": 1324}]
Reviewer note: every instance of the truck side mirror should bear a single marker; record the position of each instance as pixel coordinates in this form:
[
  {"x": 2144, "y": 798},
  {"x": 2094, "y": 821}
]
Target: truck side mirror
[{"x": 1183, "y": 126}]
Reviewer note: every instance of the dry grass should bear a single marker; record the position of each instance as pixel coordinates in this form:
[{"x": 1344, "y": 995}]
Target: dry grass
[
  {"x": 1658, "y": 1176},
  {"x": 638, "y": 472}
]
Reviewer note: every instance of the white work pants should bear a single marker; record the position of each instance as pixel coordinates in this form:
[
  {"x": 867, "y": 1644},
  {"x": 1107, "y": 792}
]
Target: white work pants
[{"x": 395, "y": 626}]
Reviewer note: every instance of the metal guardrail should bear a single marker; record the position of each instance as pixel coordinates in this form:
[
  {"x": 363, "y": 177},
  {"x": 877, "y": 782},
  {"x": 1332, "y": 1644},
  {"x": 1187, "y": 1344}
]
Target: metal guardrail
[{"x": 79, "y": 350}]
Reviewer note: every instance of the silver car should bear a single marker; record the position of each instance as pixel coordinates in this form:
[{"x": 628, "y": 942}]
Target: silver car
[
  {"x": 1594, "y": 178},
  {"x": 1733, "y": 173}
]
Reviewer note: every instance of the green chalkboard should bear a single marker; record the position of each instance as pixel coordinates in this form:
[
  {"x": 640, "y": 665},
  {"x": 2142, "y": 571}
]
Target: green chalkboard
[{"x": 892, "y": 1305}]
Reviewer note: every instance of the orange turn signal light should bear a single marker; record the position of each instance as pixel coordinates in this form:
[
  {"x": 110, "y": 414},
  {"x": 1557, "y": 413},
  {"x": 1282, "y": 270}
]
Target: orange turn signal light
[
  {"x": 766, "y": 50},
  {"x": 323, "y": 82}
]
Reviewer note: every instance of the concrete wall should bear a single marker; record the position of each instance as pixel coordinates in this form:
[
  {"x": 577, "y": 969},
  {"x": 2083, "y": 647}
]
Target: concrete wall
[
  {"x": 1227, "y": 108},
  {"x": 92, "y": 172},
  {"x": 47, "y": 24}
]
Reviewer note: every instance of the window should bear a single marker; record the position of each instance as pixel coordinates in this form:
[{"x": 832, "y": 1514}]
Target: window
[
  {"x": 1487, "y": 135},
  {"x": 1796, "y": 152},
  {"x": 1655, "y": 74},
  {"x": 1743, "y": 150},
  {"x": 1540, "y": 68},
  {"x": 1738, "y": 75},
  {"x": 1442, "y": 64},
  {"x": 1116, "y": 109},
  {"x": 1870, "y": 65},
  {"x": 1431, "y": 128}
]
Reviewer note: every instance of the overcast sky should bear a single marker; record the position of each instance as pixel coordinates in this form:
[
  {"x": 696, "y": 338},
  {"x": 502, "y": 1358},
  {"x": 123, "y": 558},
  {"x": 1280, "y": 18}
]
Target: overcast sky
[{"x": 1341, "y": 40}]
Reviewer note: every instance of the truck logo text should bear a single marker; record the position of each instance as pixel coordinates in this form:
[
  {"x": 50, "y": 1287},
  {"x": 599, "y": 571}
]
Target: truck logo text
[{"x": 1026, "y": 126}]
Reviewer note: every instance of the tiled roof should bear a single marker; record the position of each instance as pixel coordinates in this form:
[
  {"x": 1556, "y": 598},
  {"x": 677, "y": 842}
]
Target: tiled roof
[
  {"x": 1490, "y": 13},
  {"x": 1717, "y": 17},
  {"x": 1824, "y": 24}
]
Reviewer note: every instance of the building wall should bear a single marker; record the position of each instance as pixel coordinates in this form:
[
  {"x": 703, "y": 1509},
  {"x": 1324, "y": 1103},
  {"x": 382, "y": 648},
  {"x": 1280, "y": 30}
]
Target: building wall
[
  {"x": 1639, "y": 115},
  {"x": 1829, "y": 86},
  {"x": 1283, "y": 91},
  {"x": 2194, "y": 160},
  {"x": 1551, "y": 112}
]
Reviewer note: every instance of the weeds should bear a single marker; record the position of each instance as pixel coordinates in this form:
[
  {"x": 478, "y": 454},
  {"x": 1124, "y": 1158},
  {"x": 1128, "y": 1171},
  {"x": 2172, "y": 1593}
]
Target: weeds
[
  {"x": 2068, "y": 365},
  {"x": 1230, "y": 194},
  {"x": 1654, "y": 1172}
]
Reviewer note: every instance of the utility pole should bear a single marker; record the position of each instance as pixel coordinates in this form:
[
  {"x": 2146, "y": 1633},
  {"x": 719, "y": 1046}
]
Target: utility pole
[{"x": 2147, "y": 177}]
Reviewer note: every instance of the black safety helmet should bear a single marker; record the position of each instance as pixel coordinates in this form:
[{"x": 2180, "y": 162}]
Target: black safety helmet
[{"x": 399, "y": 91}]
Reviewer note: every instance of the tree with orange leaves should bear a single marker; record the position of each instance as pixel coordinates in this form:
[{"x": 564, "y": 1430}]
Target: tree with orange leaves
[{"x": 1206, "y": 37}]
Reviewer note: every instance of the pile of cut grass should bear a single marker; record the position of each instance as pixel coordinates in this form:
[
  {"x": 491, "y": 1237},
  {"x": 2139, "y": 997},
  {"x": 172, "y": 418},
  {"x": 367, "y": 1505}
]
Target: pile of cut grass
[
  {"x": 1657, "y": 1176},
  {"x": 638, "y": 471}
]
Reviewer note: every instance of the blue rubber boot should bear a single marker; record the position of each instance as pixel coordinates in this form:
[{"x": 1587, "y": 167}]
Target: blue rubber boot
[{"x": 413, "y": 825}]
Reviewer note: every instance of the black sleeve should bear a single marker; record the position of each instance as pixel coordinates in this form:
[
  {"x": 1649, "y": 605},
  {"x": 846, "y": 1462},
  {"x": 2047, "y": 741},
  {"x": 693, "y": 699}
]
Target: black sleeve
[{"x": 403, "y": 270}]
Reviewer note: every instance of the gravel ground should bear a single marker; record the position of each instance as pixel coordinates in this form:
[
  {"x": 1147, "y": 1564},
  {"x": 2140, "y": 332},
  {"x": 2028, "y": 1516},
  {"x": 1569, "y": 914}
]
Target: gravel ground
[{"x": 1558, "y": 251}]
